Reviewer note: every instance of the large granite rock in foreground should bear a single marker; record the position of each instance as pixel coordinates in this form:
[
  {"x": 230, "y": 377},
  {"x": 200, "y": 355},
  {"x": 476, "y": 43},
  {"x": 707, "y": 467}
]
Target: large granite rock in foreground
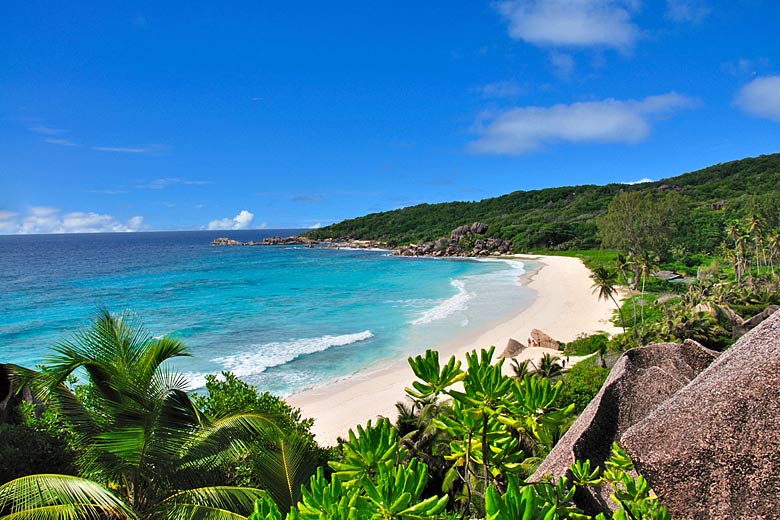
[
  {"x": 640, "y": 381},
  {"x": 712, "y": 450}
]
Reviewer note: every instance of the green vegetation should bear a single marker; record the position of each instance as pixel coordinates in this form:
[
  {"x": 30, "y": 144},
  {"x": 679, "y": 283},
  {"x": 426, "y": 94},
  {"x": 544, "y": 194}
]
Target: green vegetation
[
  {"x": 566, "y": 218},
  {"x": 229, "y": 395},
  {"x": 142, "y": 448},
  {"x": 490, "y": 434},
  {"x": 581, "y": 384},
  {"x": 131, "y": 443},
  {"x": 26, "y": 450}
]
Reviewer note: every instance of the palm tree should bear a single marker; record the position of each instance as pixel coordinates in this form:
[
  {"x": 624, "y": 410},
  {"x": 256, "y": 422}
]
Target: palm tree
[
  {"x": 521, "y": 368},
  {"x": 646, "y": 264},
  {"x": 549, "y": 367},
  {"x": 139, "y": 434},
  {"x": 773, "y": 242},
  {"x": 604, "y": 284}
]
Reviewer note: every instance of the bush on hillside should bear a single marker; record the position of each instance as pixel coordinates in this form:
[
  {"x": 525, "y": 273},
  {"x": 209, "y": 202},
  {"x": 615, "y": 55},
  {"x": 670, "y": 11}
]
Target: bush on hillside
[{"x": 581, "y": 384}]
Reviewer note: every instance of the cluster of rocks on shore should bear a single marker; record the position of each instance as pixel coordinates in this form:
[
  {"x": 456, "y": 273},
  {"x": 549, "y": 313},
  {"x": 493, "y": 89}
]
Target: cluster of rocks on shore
[
  {"x": 460, "y": 243},
  {"x": 467, "y": 240}
]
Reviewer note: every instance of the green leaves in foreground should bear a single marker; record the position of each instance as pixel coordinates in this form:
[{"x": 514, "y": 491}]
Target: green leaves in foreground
[
  {"x": 545, "y": 501},
  {"x": 434, "y": 379},
  {"x": 59, "y": 497},
  {"x": 370, "y": 450},
  {"x": 371, "y": 483}
]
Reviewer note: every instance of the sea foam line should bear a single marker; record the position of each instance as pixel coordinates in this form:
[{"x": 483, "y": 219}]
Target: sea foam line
[
  {"x": 453, "y": 304},
  {"x": 267, "y": 355}
]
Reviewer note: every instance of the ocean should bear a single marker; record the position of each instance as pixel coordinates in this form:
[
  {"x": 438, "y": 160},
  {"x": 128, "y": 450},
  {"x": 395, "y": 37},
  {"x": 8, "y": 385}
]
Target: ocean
[{"x": 284, "y": 318}]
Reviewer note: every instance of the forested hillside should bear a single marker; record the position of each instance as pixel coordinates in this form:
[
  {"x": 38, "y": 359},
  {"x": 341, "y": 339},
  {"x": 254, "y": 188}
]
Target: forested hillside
[{"x": 565, "y": 218}]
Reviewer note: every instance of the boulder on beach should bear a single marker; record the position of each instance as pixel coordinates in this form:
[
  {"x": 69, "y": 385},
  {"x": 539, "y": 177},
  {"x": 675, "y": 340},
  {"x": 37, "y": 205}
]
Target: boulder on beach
[
  {"x": 640, "y": 381},
  {"x": 541, "y": 339},
  {"x": 712, "y": 450},
  {"x": 513, "y": 348}
]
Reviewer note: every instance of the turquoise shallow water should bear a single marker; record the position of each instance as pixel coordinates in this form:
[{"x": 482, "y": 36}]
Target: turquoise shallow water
[{"x": 283, "y": 318}]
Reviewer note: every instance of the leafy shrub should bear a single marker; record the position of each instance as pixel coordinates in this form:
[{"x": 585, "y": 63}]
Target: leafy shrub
[
  {"x": 27, "y": 451},
  {"x": 232, "y": 395},
  {"x": 584, "y": 345},
  {"x": 581, "y": 384},
  {"x": 228, "y": 395}
]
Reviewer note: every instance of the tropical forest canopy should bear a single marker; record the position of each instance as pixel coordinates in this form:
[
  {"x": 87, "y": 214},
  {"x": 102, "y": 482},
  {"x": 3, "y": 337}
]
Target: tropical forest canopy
[{"x": 567, "y": 217}]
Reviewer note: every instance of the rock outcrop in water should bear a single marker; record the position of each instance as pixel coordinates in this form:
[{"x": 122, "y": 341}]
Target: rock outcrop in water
[
  {"x": 225, "y": 241},
  {"x": 462, "y": 242},
  {"x": 270, "y": 241}
]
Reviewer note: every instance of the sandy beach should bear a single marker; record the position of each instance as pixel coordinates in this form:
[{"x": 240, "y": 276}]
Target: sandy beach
[{"x": 565, "y": 307}]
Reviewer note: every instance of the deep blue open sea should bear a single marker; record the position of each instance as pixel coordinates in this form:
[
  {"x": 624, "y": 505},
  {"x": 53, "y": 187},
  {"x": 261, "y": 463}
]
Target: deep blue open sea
[{"x": 283, "y": 318}]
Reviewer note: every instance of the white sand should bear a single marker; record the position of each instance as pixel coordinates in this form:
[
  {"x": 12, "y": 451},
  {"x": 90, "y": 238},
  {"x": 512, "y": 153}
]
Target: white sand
[{"x": 565, "y": 307}]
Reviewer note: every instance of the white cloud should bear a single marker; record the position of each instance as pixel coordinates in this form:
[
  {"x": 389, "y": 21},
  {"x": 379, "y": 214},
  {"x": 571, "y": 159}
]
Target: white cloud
[
  {"x": 60, "y": 141},
  {"x": 152, "y": 148},
  {"x": 687, "y": 10},
  {"x": 243, "y": 220},
  {"x": 526, "y": 129},
  {"x": 761, "y": 98},
  {"x": 318, "y": 225},
  {"x": 640, "y": 181},
  {"x": 500, "y": 89},
  {"x": 8, "y": 223},
  {"x": 41, "y": 219},
  {"x": 158, "y": 184},
  {"x": 572, "y": 23},
  {"x": 50, "y": 135},
  {"x": 46, "y": 130}
]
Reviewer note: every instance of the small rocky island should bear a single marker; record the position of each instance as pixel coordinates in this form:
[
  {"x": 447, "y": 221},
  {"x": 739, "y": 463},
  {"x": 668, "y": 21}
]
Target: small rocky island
[{"x": 467, "y": 240}]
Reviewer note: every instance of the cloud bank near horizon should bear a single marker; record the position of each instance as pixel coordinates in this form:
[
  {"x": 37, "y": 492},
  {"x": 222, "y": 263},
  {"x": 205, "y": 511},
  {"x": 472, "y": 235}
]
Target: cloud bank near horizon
[
  {"x": 45, "y": 220},
  {"x": 244, "y": 220}
]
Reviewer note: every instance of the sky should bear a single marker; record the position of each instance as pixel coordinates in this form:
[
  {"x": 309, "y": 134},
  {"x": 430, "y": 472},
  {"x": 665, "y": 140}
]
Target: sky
[{"x": 150, "y": 116}]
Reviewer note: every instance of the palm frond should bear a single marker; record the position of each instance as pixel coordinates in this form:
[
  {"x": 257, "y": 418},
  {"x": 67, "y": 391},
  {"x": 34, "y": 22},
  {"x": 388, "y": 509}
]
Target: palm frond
[
  {"x": 59, "y": 497},
  {"x": 226, "y": 440},
  {"x": 210, "y": 503},
  {"x": 285, "y": 468},
  {"x": 158, "y": 351}
]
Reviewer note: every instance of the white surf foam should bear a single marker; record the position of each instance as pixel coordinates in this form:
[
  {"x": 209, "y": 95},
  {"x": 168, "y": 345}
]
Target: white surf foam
[
  {"x": 267, "y": 355},
  {"x": 448, "y": 307}
]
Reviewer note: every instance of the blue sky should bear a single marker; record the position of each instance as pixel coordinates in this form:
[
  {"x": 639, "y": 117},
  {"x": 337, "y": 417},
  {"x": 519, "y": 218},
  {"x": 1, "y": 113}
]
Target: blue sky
[{"x": 120, "y": 116}]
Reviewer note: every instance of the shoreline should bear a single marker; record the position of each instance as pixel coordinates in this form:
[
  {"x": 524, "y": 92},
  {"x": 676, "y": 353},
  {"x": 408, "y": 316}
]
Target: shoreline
[{"x": 564, "y": 307}]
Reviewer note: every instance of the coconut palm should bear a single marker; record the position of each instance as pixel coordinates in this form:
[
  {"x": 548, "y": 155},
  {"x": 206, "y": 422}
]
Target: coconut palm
[
  {"x": 139, "y": 434},
  {"x": 604, "y": 280},
  {"x": 549, "y": 367},
  {"x": 521, "y": 368}
]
